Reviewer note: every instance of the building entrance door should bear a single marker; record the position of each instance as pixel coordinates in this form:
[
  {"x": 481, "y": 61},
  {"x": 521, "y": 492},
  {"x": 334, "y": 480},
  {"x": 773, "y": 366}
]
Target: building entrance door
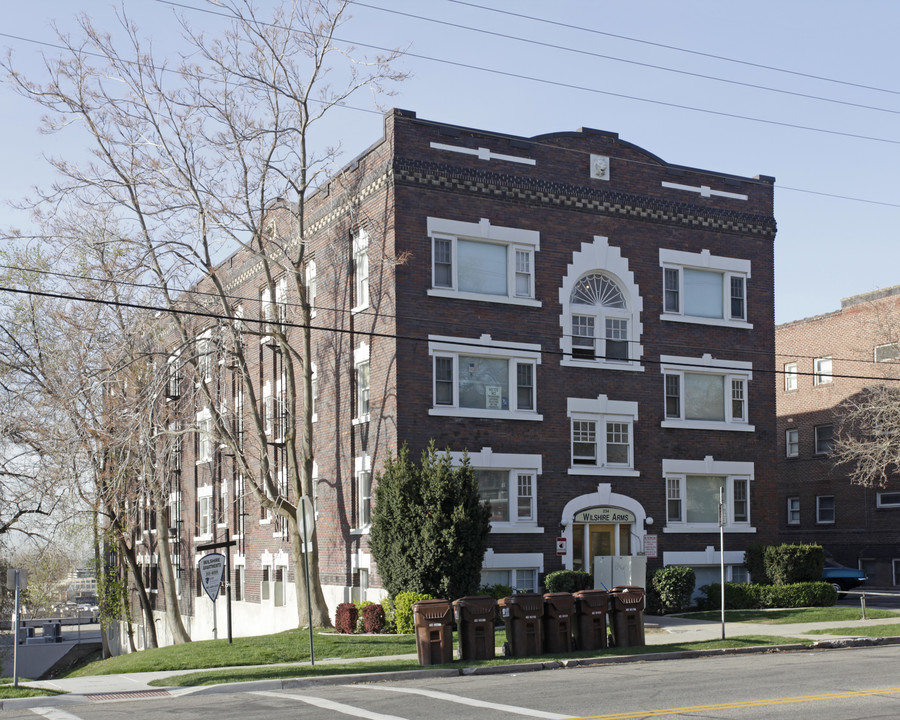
[{"x": 590, "y": 540}]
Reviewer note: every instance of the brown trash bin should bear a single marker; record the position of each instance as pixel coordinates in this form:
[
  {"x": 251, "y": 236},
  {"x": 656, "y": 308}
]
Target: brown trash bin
[
  {"x": 475, "y": 622},
  {"x": 559, "y": 611},
  {"x": 434, "y": 631},
  {"x": 627, "y": 605},
  {"x": 591, "y": 607},
  {"x": 522, "y": 616}
]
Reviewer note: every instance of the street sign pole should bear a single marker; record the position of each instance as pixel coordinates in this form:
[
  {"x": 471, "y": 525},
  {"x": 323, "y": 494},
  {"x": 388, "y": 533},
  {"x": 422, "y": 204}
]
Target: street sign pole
[
  {"x": 227, "y": 544},
  {"x": 722, "y": 511},
  {"x": 212, "y": 570},
  {"x": 16, "y": 637}
]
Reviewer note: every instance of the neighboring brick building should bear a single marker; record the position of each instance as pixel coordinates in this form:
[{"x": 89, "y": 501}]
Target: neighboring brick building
[
  {"x": 826, "y": 359},
  {"x": 580, "y": 316}
]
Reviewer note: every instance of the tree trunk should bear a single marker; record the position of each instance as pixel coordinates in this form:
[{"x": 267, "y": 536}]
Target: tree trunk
[
  {"x": 320, "y": 616},
  {"x": 149, "y": 621},
  {"x": 167, "y": 577},
  {"x": 100, "y": 567}
]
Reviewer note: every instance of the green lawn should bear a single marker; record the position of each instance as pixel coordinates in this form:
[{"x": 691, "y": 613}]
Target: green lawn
[
  {"x": 232, "y": 675},
  {"x": 794, "y": 615},
  {"x": 864, "y": 631},
  {"x": 8, "y": 691},
  {"x": 286, "y": 647}
]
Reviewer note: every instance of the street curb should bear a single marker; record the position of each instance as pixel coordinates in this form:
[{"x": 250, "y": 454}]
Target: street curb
[{"x": 442, "y": 672}]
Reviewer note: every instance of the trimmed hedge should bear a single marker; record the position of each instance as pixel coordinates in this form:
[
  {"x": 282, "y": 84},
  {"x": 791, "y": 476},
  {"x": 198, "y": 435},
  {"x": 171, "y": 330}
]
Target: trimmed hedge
[
  {"x": 345, "y": 618},
  {"x": 373, "y": 618},
  {"x": 750, "y": 596},
  {"x": 404, "y": 622},
  {"x": 569, "y": 581},
  {"x": 786, "y": 564},
  {"x": 672, "y": 588}
]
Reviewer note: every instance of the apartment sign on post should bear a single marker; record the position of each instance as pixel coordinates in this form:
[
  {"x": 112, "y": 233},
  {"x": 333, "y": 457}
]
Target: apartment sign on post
[{"x": 212, "y": 570}]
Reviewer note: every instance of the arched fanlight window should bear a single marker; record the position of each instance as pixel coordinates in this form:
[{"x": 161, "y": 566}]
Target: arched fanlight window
[{"x": 596, "y": 289}]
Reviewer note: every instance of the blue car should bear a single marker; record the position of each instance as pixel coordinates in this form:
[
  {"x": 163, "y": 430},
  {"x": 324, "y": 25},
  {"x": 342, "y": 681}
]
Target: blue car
[{"x": 843, "y": 578}]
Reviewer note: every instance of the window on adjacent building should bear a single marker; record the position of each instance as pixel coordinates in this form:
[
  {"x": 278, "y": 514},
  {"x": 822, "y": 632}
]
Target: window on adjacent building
[
  {"x": 315, "y": 393},
  {"x": 706, "y": 396},
  {"x": 600, "y": 320},
  {"x": 888, "y": 499},
  {"x": 311, "y": 285},
  {"x": 699, "y": 287},
  {"x": 173, "y": 381},
  {"x": 822, "y": 374},
  {"x": 885, "y": 353},
  {"x": 482, "y": 261},
  {"x": 265, "y": 585},
  {"x": 790, "y": 376},
  {"x": 238, "y": 582},
  {"x": 280, "y": 577},
  {"x": 361, "y": 269},
  {"x": 824, "y": 439},
  {"x": 204, "y": 437},
  {"x": 793, "y": 511},
  {"x": 791, "y": 442},
  {"x": 204, "y": 357},
  {"x": 362, "y": 389},
  {"x": 471, "y": 384},
  {"x": 825, "y": 509},
  {"x": 204, "y": 526}
]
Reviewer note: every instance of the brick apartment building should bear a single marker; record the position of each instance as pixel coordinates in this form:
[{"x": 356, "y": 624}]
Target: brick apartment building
[
  {"x": 581, "y": 317},
  {"x": 826, "y": 359}
]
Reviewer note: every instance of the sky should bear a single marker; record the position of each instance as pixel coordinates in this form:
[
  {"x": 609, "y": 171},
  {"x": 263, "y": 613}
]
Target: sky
[{"x": 803, "y": 91}]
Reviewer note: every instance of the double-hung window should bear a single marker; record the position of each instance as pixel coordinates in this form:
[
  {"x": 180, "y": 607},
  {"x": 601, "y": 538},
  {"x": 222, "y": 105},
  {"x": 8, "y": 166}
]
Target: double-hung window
[
  {"x": 705, "y": 393},
  {"x": 311, "y": 286},
  {"x": 173, "y": 379},
  {"x": 204, "y": 511},
  {"x": 792, "y": 442},
  {"x": 825, "y": 509},
  {"x": 508, "y": 483},
  {"x": 361, "y": 381},
  {"x": 484, "y": 378},
  {"x": 793, "y": 510},
  {"x": 824, "y": 437},
  {"x": 362, "y": 471},
  {"x": 790, "y": 376},
  {"x": 360, "y": 269},
  {"x": 822, "y": 374},
  {"x": 600, "y": 320},
  {"x": 602, "y": 436},
  {"x": 204, "y": 437},
  {"x": 204, "y": 357},
  {"x": 888, "y": 352},
  {"x": 480, "y": 261},
  {"x": 704, "y": 288},
  {"x": 694, "y": 489}
]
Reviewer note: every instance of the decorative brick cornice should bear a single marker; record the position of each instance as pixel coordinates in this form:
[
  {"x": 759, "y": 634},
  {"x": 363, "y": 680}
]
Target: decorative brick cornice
[{"x": 543, "y": 193}]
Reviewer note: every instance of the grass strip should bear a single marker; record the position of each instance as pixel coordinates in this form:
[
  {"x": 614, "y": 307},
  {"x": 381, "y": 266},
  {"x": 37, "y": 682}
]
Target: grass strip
[
  {"x": 860, "y": 631},
  {"x": 282, "y": 672},
  {"x": 793, "y": 615},
  {"x": 10, "y": 692}
]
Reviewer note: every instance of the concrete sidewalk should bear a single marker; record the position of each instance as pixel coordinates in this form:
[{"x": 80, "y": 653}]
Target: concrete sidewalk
[{"x": 658, "y": 631}]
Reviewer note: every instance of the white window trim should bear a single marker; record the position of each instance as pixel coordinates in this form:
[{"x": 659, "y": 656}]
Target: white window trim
[
  {"x": 787, "y": 443},
  {"x": 360, "y": 356},
  {"x": 204, "y": 493},
  {"x": 729, "y": 369},
  {"x": 731, "y": 471},
  {"x": 513, "y": 238},
  {"x": 485, "y": 346},
  {"x": 599, "y": 256},
  {"x": 360, "y": 465},
  {"x": 204, "y": 428},
  {"x": 515, "y": 463},
  {"x": 360, "y": 240},
  {"x": 791, "y": 377},
  {"x": 879, "y": 503},
  {"x": 819, "y": 377},
  {"x": 790, "y": 510},
  {"x": 311, "y": 282},
  {"x": 704, "y": 260},
  {"x": 315, "y": 391},
  {"x": 512, "y": 561},
  {"x": 205, "y": 354},
  {"x": 602, "y": 410},
  {"x": 819, "y": 521}
]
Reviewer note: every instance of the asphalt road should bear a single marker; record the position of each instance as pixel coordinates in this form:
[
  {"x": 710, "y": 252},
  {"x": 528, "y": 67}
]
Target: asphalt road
[{"x": 849, "y": 683}]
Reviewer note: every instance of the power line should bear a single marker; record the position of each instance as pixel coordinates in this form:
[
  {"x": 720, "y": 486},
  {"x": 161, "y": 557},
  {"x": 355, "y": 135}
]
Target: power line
[
  {"x": 571, "y": 86},
  {"x": 638, "y": 63},
  {"x": 461, "y": 342},
  {"x": 680, "y": 49}
]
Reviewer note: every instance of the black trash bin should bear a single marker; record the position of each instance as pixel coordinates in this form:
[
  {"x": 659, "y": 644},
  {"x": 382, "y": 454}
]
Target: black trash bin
[
  {"x": 559, "y": 609},
  {"x": 591, "y": 607},
  {"x": 522, "y": 615},
  {"x": 475, "y": 622},
  {"x": 627, "y": 605},
  {"x": 434, "y": 631}
]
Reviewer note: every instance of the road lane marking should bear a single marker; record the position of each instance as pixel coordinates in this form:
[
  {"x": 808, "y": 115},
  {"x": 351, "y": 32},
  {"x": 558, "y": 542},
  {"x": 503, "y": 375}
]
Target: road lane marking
[
  {"x": 741, "y": 704},
  {"x": 528, "y": 712},
  {"x": 53, "y": 714},
  {"x": 329, "y": 705}
]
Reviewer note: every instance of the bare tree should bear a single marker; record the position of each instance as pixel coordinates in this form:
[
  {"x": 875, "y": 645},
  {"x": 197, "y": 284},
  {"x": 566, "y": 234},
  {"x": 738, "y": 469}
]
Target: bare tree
[
  {"x": 217, "y": 153},
  {"x": 868, "y": 436}
]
